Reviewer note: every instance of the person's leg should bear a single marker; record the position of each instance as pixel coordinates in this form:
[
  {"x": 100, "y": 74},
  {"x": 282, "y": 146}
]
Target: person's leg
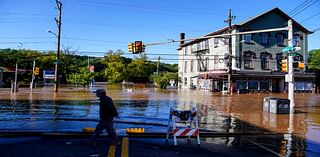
[
  {"x": 97, "y": 132},
  {"x": 110, "y": 130}
]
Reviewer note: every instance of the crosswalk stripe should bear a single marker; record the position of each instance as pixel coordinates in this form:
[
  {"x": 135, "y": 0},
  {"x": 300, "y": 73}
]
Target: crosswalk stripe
[
  {"x": 112, "y": 151},
  {"x": 125, "y": 147}
]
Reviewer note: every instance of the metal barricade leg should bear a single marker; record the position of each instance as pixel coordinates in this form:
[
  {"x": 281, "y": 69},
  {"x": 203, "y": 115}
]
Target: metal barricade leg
[
  {"x": 173, "y": 128},
  {"x": 169, "y": 124},
  {"x": 197, "y": 127}
]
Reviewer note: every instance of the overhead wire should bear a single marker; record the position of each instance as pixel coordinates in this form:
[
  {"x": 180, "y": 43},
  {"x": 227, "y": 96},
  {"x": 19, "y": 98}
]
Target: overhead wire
[
  {"x": 299, "y": 7},
  {"x": 304, "y": 8},
  {"x": 314, "y": 15}
]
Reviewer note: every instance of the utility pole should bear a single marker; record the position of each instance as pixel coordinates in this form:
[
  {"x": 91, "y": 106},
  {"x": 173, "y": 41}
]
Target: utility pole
[
  {"x": 32, "y": 77},
  {"x": 229, "y": 21},
  {"x": 58, "y": 21},
  {"x": 158, "y": 64}
]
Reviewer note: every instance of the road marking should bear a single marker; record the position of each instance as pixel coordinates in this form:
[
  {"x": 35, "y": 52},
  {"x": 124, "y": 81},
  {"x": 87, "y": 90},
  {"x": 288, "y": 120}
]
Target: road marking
[
  {"x": 112, "y": 150},
  {"x": 125, "y": 147}
]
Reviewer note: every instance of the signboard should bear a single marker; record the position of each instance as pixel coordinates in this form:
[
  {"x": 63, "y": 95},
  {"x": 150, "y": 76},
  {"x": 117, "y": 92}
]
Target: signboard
[
  {"x": 91, "y": 68},
  {"x": 48, "y": 74}
]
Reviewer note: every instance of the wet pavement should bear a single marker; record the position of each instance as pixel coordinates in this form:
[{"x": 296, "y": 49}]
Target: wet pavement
[
  {"x": 139, "y": 147},
  {"x": 72, "y": 109}
]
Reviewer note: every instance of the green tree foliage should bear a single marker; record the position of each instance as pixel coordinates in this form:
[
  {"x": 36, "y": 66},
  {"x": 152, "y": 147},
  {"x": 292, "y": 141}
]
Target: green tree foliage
[
  {"x": 83, "y": 77},
  {"x": 314, "y": 60},
  {"x": 138, "y": 67},
  {"x": 163, "y": 79},
  {"x": 115, "y": 66}
]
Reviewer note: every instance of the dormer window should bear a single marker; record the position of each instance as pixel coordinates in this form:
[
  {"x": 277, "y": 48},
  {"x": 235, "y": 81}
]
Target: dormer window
[
  {"x": 247, "y": 38},
  {"x": 264, "y": 38}
]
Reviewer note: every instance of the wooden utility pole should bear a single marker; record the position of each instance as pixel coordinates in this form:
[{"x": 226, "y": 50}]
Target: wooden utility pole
[
  {"x": 58, "y": 21},
  {"x": 158, "y": 64},
  {"x": 229, "y": 21}
]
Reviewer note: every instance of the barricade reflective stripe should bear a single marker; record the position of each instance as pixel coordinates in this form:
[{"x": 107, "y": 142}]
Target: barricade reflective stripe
[{"x": 185, "y": 132}]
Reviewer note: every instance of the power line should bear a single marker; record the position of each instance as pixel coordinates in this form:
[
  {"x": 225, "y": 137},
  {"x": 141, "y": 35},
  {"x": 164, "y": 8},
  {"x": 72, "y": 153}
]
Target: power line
[
  {"x": 299, "y": 6},
  {"x": 310, "y": 17},
  {"x": 304, "y": 8}
]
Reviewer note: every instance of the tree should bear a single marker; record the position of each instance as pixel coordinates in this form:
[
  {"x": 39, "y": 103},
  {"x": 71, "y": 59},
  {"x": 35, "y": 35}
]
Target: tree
[
  {"x": 115, "y": 66},
  {"x": 163, "y": 79},
  {"x": 83, "y": 77},
  {"x": 314, "y": 59}
]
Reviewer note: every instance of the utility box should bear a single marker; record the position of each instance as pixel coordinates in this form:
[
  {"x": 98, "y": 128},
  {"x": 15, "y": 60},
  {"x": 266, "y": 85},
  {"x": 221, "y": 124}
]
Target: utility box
[
  {"x": 266, "y": 104},
  {"x": 279, "y": 105}
]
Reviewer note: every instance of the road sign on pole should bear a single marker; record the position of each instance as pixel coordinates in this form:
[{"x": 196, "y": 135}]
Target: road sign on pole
[{"x": 287, "y": 49}]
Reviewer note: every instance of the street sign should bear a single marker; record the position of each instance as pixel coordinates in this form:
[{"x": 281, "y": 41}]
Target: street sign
[{"x": 289, "y": 48}]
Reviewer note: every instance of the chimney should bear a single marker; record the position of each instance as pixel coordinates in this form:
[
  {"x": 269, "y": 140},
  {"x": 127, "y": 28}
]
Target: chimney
[{"x": 182, "y": 37}]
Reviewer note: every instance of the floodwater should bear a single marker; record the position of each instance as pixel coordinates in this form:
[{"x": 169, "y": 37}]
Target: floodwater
[{"x": 72, "y": 109}]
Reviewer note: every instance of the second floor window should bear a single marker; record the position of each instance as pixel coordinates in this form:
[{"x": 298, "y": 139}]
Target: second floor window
[
  {"x": 296, "y": 40},
  {"x": 264, "y": 38},
  {"x": 216, "y": 42},
  {"x": 185, "y": 66},
  {"x": 280, "y": 39},
  {"x": 248, "y": 57},
  {"x": 191, "y": 66}
]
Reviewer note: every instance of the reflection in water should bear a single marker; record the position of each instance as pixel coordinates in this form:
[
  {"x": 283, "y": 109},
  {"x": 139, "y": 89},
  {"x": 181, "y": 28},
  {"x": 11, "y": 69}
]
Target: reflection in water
[{"x": 73, "y": 109}]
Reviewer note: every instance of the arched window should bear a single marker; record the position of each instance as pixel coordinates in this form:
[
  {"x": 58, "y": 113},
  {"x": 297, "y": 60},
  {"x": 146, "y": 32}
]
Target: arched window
[
  {"x": 248, "y": 57},
  {"x": 265, "y": 60}
]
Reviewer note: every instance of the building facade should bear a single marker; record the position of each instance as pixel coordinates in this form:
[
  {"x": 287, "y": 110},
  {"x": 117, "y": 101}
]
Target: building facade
[{"x": 256, "y": 57}]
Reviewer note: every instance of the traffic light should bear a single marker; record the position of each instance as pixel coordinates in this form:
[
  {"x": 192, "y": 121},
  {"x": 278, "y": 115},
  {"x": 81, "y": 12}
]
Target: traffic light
[
  {"x": 36, "y": 71},
  {"x": 143, "y": 48},
  {"x": 300, "y": 65},
  {"x": 284, "y": 66},
  {"x": 138, "y": 47},
  {"x": 130, "y": 47}
]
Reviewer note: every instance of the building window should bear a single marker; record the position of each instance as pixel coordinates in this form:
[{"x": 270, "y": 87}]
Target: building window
[
  {"x": 247, "y": 38},
  {"x": 248, "y": 57},
  {"x": 216, "y": 42},
  {"x": 185, "y": 50},
  {"x": 191, "y": 65},
  {"x": 265, "y": 60},
  {"x": 185, "y": 66},
  {"x": 264, "y": 38},
  {"x": 280, "y": 39},
  {"x": 207, "y": 64},
  {"x": 296, "y": 40}
]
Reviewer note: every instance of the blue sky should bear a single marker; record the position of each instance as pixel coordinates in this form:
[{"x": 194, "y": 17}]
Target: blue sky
[{"x": 92, "y": 27}]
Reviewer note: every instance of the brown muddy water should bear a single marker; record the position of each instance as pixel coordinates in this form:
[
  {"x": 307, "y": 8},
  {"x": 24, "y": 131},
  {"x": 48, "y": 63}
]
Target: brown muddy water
[{"x": 72, "y": 109}]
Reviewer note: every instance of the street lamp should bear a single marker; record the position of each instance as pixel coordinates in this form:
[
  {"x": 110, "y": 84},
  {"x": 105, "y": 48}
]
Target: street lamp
[{"x": 56, "y": 74}]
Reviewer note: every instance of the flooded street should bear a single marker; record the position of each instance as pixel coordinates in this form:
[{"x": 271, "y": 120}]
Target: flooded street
[{"x": 72, "y": 109}]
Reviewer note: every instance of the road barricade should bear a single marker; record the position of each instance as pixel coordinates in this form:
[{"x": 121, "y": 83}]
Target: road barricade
[{"x": 190, "y": 130}]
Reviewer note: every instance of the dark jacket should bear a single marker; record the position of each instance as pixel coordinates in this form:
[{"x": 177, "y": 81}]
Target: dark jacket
[{"x": 107, "y": 108}]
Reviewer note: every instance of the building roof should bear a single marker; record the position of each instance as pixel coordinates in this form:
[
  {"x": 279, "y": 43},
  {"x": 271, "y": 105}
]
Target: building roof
[{"x": 252, "y": 19}]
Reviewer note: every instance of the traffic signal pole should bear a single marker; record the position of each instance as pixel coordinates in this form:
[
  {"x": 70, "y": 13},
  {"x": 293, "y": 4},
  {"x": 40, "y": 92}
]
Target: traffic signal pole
[{"x": 290, "y": 67}]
